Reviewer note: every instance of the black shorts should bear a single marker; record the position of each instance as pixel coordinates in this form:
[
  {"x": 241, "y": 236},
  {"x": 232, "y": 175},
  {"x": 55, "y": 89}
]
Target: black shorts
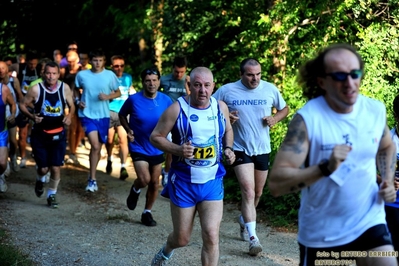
[
  {"x": 11, "y": 125},
  {"x": 261, "y": 162},
  {"x": 375, "y": 236},
  {"x": 48, "y": 152},
  {"x": 151, "y": 160},
  {"x": 21, "y": 120}
]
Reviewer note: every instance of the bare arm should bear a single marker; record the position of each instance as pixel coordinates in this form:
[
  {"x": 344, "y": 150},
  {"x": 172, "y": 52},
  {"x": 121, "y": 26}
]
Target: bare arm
[
  {"x": 17, "y": 88},
  {"x": 8, "y": 99},
  {"x": 162, "y": 129},
  {"x": 69, "y": 98},
  {"x": 125, "y": 124},
  {"x": 280, "y": 115},
  {"x": 228, "y": 138},
  {"x": 386, "y": 162},
  {"x": 286, "y": 175},
  {"x": 28, "y": 101},
  {"x": 112, "y": 95}
]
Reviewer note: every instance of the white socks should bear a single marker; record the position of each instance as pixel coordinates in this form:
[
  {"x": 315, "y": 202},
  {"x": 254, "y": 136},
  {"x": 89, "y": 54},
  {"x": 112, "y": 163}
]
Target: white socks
[{"x": 251, "y": 228}]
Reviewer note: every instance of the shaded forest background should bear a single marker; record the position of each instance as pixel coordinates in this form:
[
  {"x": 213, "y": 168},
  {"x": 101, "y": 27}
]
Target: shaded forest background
[{"x": 217, "y": 34}]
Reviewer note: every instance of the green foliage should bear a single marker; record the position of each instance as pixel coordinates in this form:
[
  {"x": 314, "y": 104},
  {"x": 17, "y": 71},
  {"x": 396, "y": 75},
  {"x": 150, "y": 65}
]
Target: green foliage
[
  {"x": 292, "y": 31},
  {"x": 9, "y": 255},
  {"x": 281, "y": 34}
]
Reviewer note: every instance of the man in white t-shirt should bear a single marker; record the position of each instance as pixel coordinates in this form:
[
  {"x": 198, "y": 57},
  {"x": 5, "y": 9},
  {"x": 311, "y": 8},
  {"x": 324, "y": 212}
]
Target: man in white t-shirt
[{"x": 250, "y": 101}]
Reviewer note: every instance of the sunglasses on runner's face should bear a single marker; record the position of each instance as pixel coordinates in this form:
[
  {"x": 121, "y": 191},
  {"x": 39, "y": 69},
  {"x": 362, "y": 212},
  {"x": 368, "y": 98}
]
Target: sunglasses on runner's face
[
  {"x": 118, "y": 66},
  {"x": 151, "y": 72},
  {"x": 342, "y": 76}
]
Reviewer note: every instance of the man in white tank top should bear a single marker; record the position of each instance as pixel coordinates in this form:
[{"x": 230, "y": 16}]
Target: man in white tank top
[
  {"x": 329, "y": 154},
  {"x": 201, "y": 135}
]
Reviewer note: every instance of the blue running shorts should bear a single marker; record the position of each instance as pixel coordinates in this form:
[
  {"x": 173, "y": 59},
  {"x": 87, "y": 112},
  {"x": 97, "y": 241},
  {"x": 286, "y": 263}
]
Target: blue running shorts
[
  {"x": 100, "y": 125},
  {"x": 185, "y": 194}
]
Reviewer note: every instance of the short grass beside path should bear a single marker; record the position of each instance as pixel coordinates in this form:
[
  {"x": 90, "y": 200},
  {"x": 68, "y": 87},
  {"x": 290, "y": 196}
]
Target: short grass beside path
[{"x": 10, "y": 255}]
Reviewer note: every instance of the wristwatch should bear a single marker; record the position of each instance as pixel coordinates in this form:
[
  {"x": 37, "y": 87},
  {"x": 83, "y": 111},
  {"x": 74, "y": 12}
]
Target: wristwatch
[
  {"x": 228, "y": 147},
  {"x": 323, "y": 166}
]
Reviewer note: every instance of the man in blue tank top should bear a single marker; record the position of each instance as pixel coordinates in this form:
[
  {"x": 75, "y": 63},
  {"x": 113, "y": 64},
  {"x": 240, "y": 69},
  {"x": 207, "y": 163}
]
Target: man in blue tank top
[
  {"x": 330, "y": 153},
  {"x": 201, "y": 135}
]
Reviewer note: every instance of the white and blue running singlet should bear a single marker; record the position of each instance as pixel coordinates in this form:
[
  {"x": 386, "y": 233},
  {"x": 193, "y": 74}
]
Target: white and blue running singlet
[{"x": 205, "y": 129}]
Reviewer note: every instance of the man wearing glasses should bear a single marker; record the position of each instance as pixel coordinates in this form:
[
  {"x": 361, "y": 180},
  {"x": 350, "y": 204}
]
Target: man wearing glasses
[
  {"x": 144, "y": 110},
  {"x": 330, "y": 153},
  {"x": 98, "y": 86},
  {"x": 126, "y": 88}
]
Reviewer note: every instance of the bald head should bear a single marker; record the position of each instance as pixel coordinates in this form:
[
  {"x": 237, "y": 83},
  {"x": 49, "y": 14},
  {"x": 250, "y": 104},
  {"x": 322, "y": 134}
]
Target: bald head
[
  {"x": 72, "y": 58},
  {"x": 201, "y": 71},
  {"x": 72, "y": 55},
  {"x": 201, "y": 87}
]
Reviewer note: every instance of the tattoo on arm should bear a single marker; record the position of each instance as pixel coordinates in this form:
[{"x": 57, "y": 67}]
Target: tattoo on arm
[
  {"x": 296, "y": 136},
  {"x": 382, "y": 163}
]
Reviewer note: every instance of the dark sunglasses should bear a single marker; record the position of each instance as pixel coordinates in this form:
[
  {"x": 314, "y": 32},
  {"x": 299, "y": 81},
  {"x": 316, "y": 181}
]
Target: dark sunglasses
[
  {"x": 72, "y": 48},
  {"x": 342, "y": 76},
  {"x": 118, "y": 66},
  {"x": 151, "y": 72}
]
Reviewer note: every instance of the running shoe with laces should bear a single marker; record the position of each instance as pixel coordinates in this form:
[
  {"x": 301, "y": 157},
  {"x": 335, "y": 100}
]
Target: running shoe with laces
[
  {"x": 39, "y": 188},
  {"x": 23, "y": 163},
  {"x": 14, "y": 165},
  {"x": 147, "y": 220},
  {"x": 92, "y": 185},
  {"x": 243, "y": 230},
  {"x": 52, "y": 202},
  {"x": 108, "y": 169},
  {"x": 160, "y": 259},
  {"x": 254, "y": 247},
  {"x": 132, "y": 199},
  {"x": 124, "y": 174},
  {"x": 164, "y": 177},
  {"x": 3, "y": 184},
  {"x": 47, "y": 177}
]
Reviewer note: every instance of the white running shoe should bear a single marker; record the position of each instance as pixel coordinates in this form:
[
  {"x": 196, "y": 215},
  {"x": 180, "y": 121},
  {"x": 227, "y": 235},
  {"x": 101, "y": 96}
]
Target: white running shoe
[
  {"x": 7, "y": 172},
  {"x": 48, "y": 177},
  {"x": 164, "y": 177},
  {"x": 243, "y": 230},
  {"x": 254, "y": 247},
  {"x": 92, "y": 185},
  {"x": 3, "y": 184}
]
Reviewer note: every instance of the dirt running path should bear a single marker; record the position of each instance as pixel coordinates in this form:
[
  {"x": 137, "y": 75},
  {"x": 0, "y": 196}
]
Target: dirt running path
[{"x": 98, "y": 229}]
